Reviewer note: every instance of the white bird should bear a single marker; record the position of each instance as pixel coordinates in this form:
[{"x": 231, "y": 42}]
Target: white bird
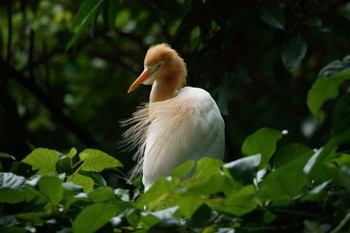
[{"x": 178, "y": 124}]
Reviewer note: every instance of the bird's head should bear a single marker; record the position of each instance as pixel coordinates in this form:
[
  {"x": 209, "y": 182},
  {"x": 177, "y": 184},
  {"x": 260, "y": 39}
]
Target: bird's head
[{"x": 162, "y": 63}]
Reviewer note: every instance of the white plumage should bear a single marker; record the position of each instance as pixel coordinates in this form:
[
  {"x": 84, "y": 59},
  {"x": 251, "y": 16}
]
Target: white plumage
[{"x": 171, "y": 129}]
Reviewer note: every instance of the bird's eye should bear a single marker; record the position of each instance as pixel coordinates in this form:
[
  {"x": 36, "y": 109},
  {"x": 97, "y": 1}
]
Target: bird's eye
[{"x": 159, "y": 65}]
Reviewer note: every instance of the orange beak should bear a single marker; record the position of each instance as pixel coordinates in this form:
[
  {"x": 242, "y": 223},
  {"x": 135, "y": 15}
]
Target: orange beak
[{"x": 143, "y": 76}]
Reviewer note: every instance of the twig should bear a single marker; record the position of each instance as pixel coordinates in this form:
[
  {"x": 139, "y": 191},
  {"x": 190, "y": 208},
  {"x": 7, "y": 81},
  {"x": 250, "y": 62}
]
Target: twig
[{"x": 341, "y": 224}]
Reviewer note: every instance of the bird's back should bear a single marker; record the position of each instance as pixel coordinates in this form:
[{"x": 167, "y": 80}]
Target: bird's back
[{"x": 186, "y": 127}]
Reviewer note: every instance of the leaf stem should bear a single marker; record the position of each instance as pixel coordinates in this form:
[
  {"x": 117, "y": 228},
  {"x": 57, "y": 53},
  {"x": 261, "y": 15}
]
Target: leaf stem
[
  {"x": 341, "y": 224},
  {"x": 80, "y": 163}
]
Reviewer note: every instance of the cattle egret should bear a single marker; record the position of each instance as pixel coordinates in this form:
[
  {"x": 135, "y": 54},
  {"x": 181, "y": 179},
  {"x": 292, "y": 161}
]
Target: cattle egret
[{"x": 178, "y": 124}]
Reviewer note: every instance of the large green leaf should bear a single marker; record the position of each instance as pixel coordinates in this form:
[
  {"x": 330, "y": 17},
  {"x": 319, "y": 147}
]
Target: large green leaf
[
  {"x": 244, "y": 170},
  {"x": 238, "y": 203},
  {"x": 273, "y": 15},
  {"x": 96, "y": 160},
  {"x": 94, "y": 217},
  {"x": 293, "y": 52},
  {"x": 262, "y": 142},
  {"x": 290, "y": 153},
  {"x": 284, "y": 183},
  {"x": 325, "y": 89},
  {"x": 42, "y": 159},
  {"x": 51, "y": 188}
]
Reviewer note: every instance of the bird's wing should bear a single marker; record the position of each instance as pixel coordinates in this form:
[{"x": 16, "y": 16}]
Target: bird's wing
[{"x": 188, "y": 126}]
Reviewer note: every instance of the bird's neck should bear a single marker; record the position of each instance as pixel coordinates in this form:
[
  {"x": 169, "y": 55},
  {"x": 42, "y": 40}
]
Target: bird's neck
[{"x": 163, "y": 89}]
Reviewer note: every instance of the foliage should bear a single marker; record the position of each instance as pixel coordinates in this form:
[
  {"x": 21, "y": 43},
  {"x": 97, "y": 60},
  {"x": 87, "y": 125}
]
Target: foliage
[
  {"x": 65, "y": 68},
  {"x": 291, "y": 188}
]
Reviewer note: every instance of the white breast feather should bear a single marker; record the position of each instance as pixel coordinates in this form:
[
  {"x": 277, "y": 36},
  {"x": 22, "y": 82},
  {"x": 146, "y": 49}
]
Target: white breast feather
[{"x": 188, "y": 126}]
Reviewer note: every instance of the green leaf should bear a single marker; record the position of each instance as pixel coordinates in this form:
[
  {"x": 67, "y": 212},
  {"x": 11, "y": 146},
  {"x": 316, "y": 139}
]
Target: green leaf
[
  {"x": 206, "y": 167},
  {"x": 110, "y": 12},
  {"x": 207, "y": 178},
  {"x": 202, "y": 217},
  {"x": 290, "y": 153},
  {"x": 158, "y": 192},
  {"x": 165, "y": 214},
  {"x": 51, "y": 188},
  {"x": 97, "y": 177},
  {"x": 166, "y": 223},
  {"x": 15, "y": 229},
  {"x": 5, "y": 155},
  {"x": 7, "y": 221},
  {"x": 86, "y": 182},
  {"x": 325, "y": 89},
  {"x": 95, "y": 160},
  {"x": 183, "y": 169},
  {"x": 88, "y": 8},
  {"x": 83, "y": 18},
  {"x": 9, "y": 195},
  {"x": 93, "y": 217},
  {"x": 262, "y": 142},
  {"x": 102, "y": 194},
  {"x": 335, "y": 67},
  {"x": 213, "y": 184},
  {"x": 238, "y": 203},
  {"x": 314, "y": 22},
  {"x": 284, "y": 183},
  {"x": 189, "y": 204},
  {"x": 72, "y": 153},
  {"x": 317, "y": 193},
  {"x": 293, "y": 52},
  {"x": 341, "y": 114},
  {"x": 64, "y": 165},
  {"x": 325, "y": 153},
  {"x": 42, "y": 159},
  {"x": 244, "y": 170},
  {"x": 273, "y": 16}
]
